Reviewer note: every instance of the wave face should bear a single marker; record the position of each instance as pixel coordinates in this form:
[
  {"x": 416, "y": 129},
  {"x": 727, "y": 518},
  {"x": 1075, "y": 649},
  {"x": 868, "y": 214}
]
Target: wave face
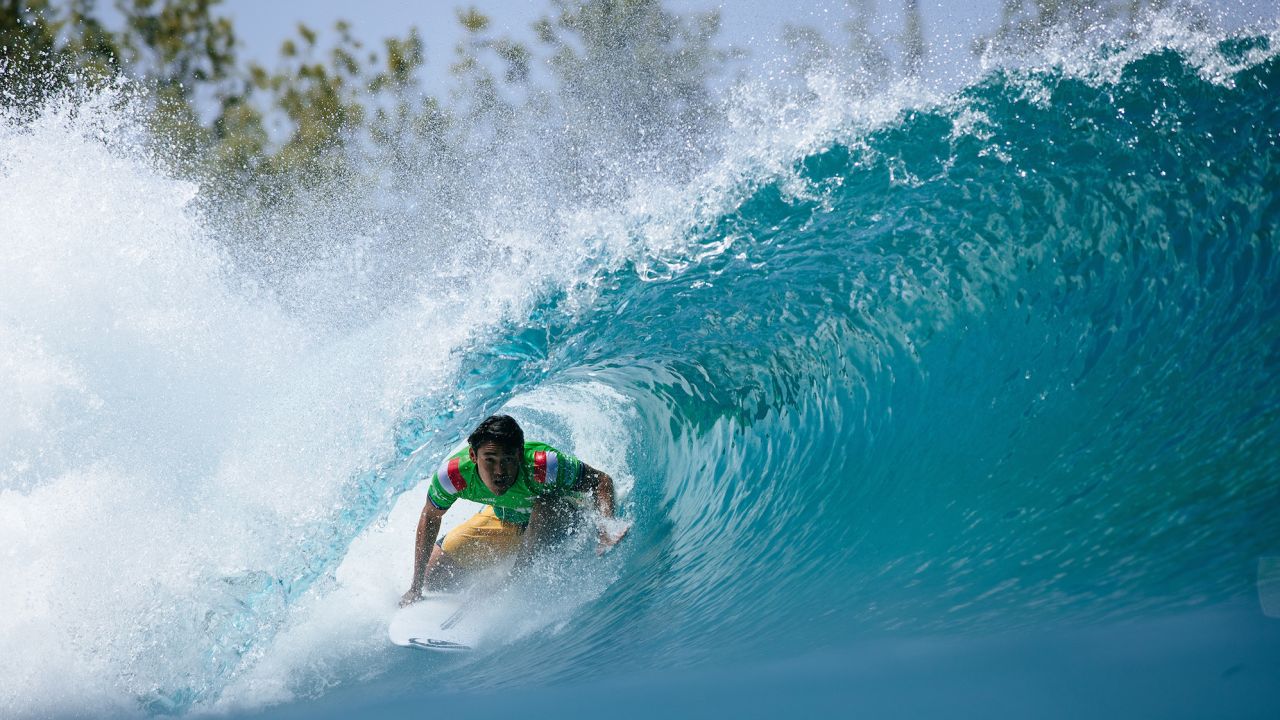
[{"x": 1001, "y": 364}]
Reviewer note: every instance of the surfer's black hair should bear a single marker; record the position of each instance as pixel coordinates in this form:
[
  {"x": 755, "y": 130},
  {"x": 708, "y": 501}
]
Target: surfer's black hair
[{"x": 500, "y": 429}]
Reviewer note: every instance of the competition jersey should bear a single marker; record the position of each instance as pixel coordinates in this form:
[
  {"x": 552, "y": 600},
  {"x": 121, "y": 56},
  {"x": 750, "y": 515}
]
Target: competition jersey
[{"x": 545, "y": 471}]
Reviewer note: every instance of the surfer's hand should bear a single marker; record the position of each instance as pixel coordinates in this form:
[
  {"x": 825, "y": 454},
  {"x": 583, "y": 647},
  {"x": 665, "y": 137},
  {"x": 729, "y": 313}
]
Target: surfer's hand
[
  {"x": 608, "y": 539},
  {"x": 410, "y": 598}
]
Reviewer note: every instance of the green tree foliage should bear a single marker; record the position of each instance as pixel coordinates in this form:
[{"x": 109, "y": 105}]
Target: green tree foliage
[
  {"x": 483, "y": 98},
  {"x": 407, "y": 115},
  {"x": 321, "y": 97},
  {"x": 634, "y": 64},
  {"x": 178, "y": 44},
  {"x": 179, "y": 47},
  {"x": 44, "y": 48},
  {"x": 629, "y": 71},
  {"x": 212, "y": 112}
]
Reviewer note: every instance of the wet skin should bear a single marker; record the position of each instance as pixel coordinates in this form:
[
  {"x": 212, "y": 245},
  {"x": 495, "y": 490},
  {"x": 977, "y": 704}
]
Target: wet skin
[{"x": 497, "y": 466}]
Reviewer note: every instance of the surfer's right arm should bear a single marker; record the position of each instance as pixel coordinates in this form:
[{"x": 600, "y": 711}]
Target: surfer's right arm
[{"x": 428, "y": 529}]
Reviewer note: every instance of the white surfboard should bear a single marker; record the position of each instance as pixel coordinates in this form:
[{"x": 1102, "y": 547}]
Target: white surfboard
[{"x": 437, "y": 622}]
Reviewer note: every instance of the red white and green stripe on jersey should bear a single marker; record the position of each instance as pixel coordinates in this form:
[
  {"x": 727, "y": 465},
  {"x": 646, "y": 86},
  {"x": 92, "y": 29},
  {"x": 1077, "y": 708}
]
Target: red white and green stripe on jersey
[{"x": 545, "y": 471}]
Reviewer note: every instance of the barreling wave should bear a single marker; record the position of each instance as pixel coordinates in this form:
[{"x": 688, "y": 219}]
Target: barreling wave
[{"x": 1011, "y": 361}]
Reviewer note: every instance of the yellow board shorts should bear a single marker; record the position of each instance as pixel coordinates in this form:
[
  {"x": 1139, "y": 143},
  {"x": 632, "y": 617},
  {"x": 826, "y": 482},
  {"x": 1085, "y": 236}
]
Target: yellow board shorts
[{"x": 482, "y": 540}]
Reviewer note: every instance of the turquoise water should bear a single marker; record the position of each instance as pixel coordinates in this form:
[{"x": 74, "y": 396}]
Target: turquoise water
[{"x": 968, "y": 410}]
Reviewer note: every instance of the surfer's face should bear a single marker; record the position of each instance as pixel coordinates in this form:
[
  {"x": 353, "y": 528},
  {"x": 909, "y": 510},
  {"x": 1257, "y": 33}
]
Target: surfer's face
[{"x": 498, "y": 466}]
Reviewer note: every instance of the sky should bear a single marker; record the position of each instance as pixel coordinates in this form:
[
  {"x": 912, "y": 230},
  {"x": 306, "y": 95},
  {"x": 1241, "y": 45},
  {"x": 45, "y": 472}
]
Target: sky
[
  {"x": 750, "y": 24},
  {"x": 949, "y": 25}
]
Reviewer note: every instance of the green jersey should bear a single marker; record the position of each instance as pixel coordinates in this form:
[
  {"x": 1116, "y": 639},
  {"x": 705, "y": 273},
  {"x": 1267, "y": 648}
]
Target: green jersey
[{"x": 544, "y": 472}]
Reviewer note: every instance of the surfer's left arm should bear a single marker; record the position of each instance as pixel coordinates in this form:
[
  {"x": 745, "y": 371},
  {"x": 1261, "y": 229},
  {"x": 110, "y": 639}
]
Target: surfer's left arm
[{"x": 601, "y": 487}]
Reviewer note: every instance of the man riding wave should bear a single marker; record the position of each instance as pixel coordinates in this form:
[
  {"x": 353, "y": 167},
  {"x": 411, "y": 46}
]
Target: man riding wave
[{"x": 528, "y": 490}]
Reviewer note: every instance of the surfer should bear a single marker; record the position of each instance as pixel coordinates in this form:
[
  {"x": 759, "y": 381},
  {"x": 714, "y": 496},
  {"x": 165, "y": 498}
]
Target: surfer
[{"x": 527, "y": 489}]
